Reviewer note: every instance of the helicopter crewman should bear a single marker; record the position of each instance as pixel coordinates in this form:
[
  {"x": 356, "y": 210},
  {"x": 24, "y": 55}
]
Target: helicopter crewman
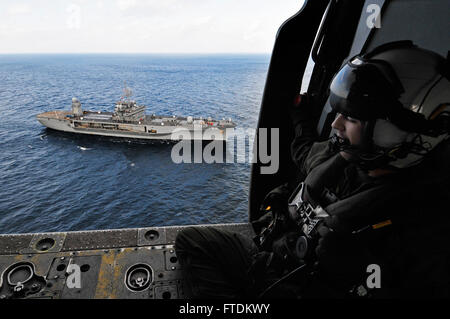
[{"x": 369, "y": 217}]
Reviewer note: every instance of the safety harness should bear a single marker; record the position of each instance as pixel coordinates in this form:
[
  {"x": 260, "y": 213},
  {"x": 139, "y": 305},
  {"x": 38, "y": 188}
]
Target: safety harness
[{"x": 382, "y": 204}]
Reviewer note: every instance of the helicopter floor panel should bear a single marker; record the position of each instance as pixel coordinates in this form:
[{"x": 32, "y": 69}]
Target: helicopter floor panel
[{"x": 138, "y": 263}]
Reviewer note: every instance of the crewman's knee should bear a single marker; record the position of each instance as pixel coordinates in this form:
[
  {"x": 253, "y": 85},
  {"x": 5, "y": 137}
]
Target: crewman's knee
[
  {"x": 185, "y": 238},
  {"x": 200, "y": 240},
  {"x": 193, "y": 244}
]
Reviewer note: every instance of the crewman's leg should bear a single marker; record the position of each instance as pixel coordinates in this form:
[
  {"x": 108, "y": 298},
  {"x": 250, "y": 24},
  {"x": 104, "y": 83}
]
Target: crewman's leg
[{"x": 216, "y": 262}]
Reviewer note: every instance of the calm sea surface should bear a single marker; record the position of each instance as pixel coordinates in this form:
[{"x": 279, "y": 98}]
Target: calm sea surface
[{"x": 52, "y": 181}]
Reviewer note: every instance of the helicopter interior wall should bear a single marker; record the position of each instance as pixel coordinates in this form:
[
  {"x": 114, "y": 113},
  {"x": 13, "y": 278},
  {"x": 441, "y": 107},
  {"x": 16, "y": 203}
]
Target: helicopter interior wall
[
  {"x": 363, "y": 31},
  {"x": 424, "y": 22},
  {"x": 288, "y": 61}
]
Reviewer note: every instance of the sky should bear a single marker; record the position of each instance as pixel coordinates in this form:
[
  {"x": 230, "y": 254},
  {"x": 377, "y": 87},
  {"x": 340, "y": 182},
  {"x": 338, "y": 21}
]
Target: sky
[{"x": 142, "y": 26}]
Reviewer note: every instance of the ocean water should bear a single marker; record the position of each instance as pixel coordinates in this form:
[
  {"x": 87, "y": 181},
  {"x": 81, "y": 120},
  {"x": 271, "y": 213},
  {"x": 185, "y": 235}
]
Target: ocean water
[{"x": 52, "y": 181}]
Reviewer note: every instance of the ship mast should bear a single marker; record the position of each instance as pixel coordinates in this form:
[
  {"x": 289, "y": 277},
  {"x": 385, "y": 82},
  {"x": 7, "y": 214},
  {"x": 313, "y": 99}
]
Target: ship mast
[{"x": 127, "y": 93}]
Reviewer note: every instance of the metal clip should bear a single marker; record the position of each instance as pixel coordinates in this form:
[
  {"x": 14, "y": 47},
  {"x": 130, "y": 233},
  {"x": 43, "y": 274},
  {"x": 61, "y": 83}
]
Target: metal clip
[
  {"x": 140, "y": 281},
  {"x": 305, "y": 215},
  {"x": 18, "y": 287}
]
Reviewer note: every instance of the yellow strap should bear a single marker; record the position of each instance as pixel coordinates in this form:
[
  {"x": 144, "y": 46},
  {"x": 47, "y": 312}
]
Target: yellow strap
[{"x": 382, "y": 224}]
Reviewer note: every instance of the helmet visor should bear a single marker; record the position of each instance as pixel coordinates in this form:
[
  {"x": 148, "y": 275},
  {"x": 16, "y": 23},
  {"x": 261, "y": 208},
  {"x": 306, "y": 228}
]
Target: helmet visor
[{"x": 360, "y": 90}]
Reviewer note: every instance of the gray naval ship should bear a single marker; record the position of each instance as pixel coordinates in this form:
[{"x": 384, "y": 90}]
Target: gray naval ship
[{"x": 130, "y": 121}]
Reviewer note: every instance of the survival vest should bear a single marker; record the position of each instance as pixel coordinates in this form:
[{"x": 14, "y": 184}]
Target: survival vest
[{"x": 404, "y": 202}]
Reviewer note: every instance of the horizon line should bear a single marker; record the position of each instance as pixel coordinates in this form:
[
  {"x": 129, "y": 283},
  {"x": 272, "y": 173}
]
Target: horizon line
[{"x": 142, "y": 53}]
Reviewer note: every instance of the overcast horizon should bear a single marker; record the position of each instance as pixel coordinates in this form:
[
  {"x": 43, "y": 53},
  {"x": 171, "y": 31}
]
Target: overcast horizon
[
  {"x": 142, "y": 26},
  {"x": 137, "y": 53}
]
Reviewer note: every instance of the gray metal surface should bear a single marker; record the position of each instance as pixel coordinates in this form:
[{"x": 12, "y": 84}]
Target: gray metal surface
[{"x": 138, "y": 263}]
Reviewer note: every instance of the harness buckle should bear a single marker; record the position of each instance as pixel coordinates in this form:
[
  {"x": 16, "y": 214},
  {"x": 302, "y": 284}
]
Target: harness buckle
[{"x": 305, "y": 215}]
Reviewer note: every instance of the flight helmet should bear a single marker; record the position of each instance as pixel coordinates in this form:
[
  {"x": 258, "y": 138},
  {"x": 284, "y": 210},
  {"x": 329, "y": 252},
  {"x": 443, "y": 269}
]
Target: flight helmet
[{"x": 401, "y": 93}]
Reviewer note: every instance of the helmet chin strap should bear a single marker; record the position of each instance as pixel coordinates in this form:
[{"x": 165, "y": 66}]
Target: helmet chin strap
[{"x": 362, "y": 157}]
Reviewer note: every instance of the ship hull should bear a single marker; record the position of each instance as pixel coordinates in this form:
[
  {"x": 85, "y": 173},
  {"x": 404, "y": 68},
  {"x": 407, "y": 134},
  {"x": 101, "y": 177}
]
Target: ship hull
[{"x": 57, "y": 120}]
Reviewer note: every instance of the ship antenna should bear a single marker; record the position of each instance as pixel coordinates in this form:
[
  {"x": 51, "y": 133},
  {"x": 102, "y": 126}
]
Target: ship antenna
[{"x": 127, "y": 92}]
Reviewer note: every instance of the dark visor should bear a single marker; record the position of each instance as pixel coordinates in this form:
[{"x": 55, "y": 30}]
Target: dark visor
[{"x": 361, "y": 91}]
